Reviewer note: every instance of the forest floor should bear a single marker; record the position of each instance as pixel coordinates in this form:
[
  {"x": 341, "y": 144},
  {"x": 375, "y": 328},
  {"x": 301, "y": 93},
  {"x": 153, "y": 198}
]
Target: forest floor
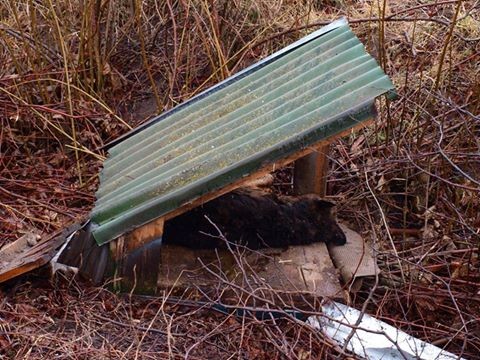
[{"x": 78, "y": 74}]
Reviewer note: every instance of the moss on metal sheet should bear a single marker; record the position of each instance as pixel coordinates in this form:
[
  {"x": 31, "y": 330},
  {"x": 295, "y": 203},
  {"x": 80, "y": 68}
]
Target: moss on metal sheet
[
  {"x": 316, "y": 89},
  {"x": 238, "y": 123},
  {"x": 167, "y": 202}
]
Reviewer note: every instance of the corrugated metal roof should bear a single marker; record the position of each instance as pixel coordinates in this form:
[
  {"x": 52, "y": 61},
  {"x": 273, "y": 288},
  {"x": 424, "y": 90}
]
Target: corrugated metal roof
[{"x": 317, "y": 87}]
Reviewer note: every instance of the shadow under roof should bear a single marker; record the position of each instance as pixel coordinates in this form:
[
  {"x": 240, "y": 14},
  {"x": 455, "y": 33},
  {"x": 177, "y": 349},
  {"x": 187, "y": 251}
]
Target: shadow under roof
[{"x": 315, "y": 88}]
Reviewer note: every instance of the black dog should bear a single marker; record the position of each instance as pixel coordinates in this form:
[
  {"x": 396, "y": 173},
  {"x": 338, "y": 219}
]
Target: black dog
[{"x": 256, "y": 219}]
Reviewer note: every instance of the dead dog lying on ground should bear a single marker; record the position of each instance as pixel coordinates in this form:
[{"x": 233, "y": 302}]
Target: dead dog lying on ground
[{"x": 256, "y": 219}]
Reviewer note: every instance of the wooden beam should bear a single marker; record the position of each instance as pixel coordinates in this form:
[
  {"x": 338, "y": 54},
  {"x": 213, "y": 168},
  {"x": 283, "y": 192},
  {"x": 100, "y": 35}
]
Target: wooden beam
[
  {"x": 136, "y": 258},
  {"x": 310, "y": 172}
]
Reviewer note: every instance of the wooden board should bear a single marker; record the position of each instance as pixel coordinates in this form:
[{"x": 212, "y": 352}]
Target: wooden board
[
  {"x": 310, "y": 173},
  {"x": 296, "y": 270},
  {"x": 136, "y": 258},
  {"x": 23, "y": 255}
]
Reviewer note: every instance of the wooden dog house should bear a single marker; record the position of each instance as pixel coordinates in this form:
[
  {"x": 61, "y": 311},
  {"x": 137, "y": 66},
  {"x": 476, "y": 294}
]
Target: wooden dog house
[{"x": 286, "y": 108}]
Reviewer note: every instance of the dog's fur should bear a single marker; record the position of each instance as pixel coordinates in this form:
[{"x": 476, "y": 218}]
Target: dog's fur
[{"x": 256, "y": 219}]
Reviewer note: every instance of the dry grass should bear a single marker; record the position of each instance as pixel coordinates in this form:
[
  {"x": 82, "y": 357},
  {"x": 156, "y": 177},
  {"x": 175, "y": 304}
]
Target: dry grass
[
  {"x": 93, "y": 323},
  {"x": 74, "y": 77}
]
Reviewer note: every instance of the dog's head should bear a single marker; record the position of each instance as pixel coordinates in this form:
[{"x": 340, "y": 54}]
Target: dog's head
[{"x": 323, "y": 214}]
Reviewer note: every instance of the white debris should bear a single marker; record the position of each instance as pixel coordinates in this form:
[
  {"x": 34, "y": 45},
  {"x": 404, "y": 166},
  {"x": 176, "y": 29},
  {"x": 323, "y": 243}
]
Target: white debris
[
  {"x": 373, "y": 339},
  {"x": 56, "y": 266},
  {"x": 32, "y": 239}
]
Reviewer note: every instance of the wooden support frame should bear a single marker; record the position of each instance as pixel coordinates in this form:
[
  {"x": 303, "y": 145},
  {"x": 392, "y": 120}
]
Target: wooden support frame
[
  {"x": 310, "y": 172},
  {"x": 136, "y": 258}
]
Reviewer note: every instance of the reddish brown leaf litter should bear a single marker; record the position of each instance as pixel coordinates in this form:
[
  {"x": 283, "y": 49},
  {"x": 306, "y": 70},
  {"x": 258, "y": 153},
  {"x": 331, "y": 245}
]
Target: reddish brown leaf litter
[
  {"x": 411, "y": 183},
  {"x": 74, "y": 321}
]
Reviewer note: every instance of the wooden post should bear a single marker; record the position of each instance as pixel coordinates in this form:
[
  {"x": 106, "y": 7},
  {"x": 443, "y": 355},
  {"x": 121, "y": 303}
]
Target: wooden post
[
  {"x": 310, "y": 172},
  {"x": 136, "y": 256}
]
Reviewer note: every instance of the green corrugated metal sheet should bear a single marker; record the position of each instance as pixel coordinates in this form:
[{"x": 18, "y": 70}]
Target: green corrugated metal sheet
[{"x": 317, "y": 87}]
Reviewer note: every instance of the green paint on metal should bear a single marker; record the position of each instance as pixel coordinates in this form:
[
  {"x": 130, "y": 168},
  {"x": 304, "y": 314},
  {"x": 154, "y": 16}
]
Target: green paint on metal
[{"x": 315, "y": 90}]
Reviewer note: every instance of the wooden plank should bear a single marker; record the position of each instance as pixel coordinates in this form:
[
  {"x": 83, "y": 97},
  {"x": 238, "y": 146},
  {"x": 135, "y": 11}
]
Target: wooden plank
[
  {"x": 23, "y": 256},
  {"x": 181, "y": 267},
  {"x": 10, "y": 252},
  {"x": 310, "y": 173},
  {"x": 304, "y": 269},
  {"x": 144, "y": 234},
  {"x": 18, "y": 269},
  {"x": 136, "y": 258}
]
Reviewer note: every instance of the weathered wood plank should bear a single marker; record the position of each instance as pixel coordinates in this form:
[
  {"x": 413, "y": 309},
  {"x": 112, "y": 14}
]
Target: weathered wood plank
[
  {"x": 143, "y": 235},
  {"x": 23, "y": 256},
  {"x": 310, "y": 173},
  {"x": 136, "y": 258},
  {"x": 305, "y": 269}
]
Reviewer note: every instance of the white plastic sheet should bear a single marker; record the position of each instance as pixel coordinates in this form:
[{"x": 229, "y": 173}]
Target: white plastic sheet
[{"x": 373, "y": 339}]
